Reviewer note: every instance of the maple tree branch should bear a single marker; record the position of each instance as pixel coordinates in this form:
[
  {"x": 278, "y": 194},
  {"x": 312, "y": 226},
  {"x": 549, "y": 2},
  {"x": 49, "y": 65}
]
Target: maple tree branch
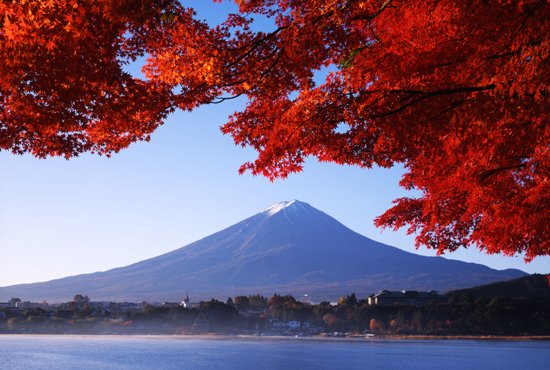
[
  {"x": 374, "y": 34},
  {"x": 38, "y": 59},
  {"x": 222, "y": 99},
  {"x": 235, "y": 83},
  {"x": 180, "y": 97},
  {"x": 447, "y": 91},
  {"x": 485, "y": 174},
  {"x": 426, "y": 95},
  {"x": 375, "y": 14},
  {"x": 529, "y": 14},
  {"x": 98, "y": 51},
  {"x": 452, "y": 106},
  {"x": 256, "y": 44},
  {"x": 264, "y": 73}
]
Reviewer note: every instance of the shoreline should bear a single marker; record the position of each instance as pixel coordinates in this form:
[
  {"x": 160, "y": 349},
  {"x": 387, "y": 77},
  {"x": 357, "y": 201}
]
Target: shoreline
[
  {"x": 463, "y": 337},
  {"x": 356, "y": 339}
]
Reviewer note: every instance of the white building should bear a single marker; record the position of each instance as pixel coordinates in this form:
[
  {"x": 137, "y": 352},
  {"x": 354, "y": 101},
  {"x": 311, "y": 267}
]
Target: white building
[
  {"x": 294, "y": 325},
  {"x": 187, "y": 304},
  {"x": 27, "y": 305},
  {"x": 291, "y": 325}
]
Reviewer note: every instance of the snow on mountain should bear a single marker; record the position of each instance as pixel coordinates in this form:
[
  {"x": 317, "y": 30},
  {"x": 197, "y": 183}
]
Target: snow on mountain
[{"x": 277, "y": 207}]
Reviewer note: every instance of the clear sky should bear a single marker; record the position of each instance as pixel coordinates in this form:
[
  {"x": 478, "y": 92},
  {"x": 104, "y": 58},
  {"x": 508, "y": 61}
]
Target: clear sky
[{"x": 92, "y": 213}]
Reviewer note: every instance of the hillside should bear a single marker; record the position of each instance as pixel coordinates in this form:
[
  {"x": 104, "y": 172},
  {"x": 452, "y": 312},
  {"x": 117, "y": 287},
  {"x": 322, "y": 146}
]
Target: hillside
[{"x": 535, "y": 285}]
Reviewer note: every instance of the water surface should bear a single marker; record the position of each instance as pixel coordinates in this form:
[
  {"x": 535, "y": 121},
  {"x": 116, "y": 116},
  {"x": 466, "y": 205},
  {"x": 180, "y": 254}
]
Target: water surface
[{"x": 123, "y": 352}]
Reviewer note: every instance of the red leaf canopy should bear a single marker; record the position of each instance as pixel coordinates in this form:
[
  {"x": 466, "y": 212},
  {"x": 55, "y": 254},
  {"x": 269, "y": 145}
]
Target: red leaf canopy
[{"x": 456, "y": 91}]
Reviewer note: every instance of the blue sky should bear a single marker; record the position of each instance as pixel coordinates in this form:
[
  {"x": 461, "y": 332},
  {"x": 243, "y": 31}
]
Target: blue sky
[{"x": 92, "y": 213}]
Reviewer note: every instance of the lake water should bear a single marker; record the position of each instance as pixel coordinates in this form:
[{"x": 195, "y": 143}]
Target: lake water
[{"x": 116, "y": 352}]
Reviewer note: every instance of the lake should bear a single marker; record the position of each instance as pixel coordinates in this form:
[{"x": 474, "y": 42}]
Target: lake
[{"x": 124, "y": 352}]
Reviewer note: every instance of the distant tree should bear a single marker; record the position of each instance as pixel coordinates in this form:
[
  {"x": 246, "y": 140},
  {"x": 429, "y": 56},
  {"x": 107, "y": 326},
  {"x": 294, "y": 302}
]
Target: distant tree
[
  {"x": 219, "y": 314},
  {"x": 30, "y": 312},
  {"x": 454, "y": 299},
  {"x": 278, "y": 300},
  {"x": 241, "y": 303},
  {"x": 153, "y": 310},
  {"x": 257, "y": 302},
  {"x": 351, "y": 300},
  {"x": 467, "y": 298},
  {"x": 328, "y": 318},
  {"x": 334, "y": 323},
  {"x": 417, "y": 321},
  {"x": 294, "y": 311},
  {"x": 320, "y": 310},
  {"x": 35, "y": 321},
  {"x": 376, "y": 325},
  {"x": 230, "y": 302},
  {"x": 14, "y": 323},
  {"x": 80, "y": 297},
  {"x": 72, "y": 306}
]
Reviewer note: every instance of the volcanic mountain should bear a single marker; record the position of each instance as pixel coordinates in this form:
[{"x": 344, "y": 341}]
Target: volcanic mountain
[{"x": 288, "y": 248}]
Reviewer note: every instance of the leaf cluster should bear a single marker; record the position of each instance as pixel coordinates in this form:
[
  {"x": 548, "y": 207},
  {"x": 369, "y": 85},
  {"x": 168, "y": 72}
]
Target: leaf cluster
[{"x": 455, "y": 91}]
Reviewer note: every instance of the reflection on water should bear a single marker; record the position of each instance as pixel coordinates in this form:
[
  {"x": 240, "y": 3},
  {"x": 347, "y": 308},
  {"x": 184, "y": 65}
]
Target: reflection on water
[{"x": 97, "y": 353}]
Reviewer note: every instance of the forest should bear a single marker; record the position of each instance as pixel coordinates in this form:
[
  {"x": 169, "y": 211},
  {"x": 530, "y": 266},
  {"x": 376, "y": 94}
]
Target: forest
[{"x": 462, "y": 315}]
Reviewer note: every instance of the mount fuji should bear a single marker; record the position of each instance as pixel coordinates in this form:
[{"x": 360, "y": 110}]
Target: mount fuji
[{"x": 288, "y": 248}]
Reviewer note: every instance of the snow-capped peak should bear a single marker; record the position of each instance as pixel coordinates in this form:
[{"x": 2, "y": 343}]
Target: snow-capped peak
[{"x": 278, "y": 207}]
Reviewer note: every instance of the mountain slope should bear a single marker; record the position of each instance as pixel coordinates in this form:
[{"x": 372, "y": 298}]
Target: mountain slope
[
  {"x": 535, "y": 285},
  {"x": 289, "y": 247}
]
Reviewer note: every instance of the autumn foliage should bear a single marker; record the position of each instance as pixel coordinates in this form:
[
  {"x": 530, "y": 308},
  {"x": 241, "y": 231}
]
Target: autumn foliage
[
  {"x": 63, "y": 90},
  {"x": 456, "y": 91}
]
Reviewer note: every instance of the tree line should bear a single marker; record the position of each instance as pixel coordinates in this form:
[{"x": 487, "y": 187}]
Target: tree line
[{"x": 462, "y": 315}]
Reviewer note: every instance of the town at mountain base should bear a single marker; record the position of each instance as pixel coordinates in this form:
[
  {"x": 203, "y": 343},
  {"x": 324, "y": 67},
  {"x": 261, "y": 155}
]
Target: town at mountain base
[
  {"x": 288, "y": 248},
  {"x": 393, "y": 314}
]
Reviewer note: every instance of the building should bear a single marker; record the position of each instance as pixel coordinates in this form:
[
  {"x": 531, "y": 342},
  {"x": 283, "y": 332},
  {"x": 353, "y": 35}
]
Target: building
[
  {"x": 123, "y": 305},
  {"x": 27, "y": 305},
  {"x": 5, "y": 305},
  {"x": 294, "y": 325},
  {"x": 385, "y": 297},
  {"x": 98, "y": 304},
  {"x": 9, "y": 304},
  {"x": 188, "y": 304},
  {"x": 277, "y": 325}
]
